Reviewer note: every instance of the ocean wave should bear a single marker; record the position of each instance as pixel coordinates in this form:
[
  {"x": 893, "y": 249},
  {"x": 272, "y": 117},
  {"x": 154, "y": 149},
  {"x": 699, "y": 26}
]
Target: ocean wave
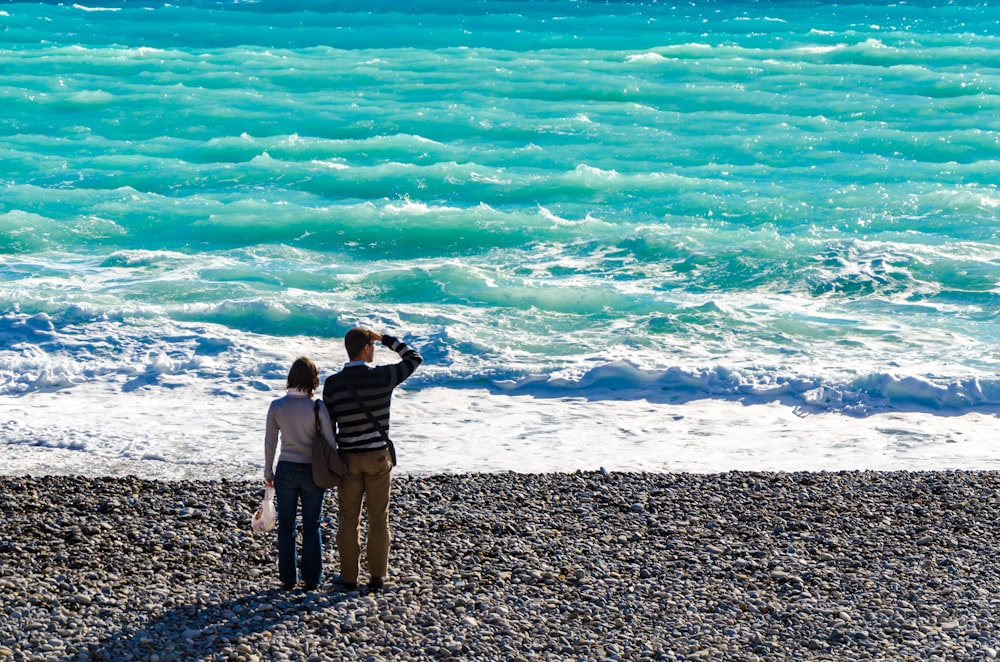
[
  {"x": 43, "y": 353},
  {"x": 808, "y": 200},
  {"x": 142, "y": 258},
  {"x": 861, "y": 396},
  {"x": 650, "y": 57}
]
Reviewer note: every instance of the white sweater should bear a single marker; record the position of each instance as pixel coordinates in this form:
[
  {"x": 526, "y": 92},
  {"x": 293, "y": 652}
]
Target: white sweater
[{"x": 294, "y": 418}]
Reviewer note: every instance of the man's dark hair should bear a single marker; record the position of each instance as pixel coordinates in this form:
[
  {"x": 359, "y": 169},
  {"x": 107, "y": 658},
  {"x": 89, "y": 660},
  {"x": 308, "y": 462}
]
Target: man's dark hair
[
  {"x": 303, "y": 375},
  {"x": 355, "y": 341}
]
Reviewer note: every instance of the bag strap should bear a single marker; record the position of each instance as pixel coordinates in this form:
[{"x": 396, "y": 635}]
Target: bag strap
[
  {"x": 375, "y": 422},
  {"x": 319, "y": 431}
]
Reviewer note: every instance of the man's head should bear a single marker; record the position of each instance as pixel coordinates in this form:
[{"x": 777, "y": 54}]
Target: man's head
[{"x": 358, "y": 342}]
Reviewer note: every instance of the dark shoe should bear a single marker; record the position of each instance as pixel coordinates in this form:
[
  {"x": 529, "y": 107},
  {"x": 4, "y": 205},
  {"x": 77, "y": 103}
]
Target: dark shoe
[
  {"x": 375, "y": 584},
  {"x": 311, "y": 587},
  {"x": 344, "y": 587},
  {"x": 288, "y": 586}
]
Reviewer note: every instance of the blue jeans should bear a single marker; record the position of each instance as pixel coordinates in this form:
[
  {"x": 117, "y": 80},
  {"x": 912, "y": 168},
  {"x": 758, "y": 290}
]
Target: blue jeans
[{"x": 293, "y": 482}]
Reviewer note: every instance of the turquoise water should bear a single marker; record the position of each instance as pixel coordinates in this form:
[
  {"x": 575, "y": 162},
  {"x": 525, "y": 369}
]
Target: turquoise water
[{"x": 734, "y": 200}]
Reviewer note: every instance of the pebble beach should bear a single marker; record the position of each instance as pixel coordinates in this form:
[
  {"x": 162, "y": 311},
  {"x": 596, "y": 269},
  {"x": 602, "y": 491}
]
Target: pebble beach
[{"x": 507, "y": 566}]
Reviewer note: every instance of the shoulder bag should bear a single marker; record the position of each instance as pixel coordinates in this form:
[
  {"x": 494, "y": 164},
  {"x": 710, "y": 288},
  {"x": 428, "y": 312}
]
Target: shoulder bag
[{"x": 328, "y": 468}]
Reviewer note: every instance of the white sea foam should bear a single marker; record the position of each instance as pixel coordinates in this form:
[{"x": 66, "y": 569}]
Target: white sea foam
[
  {"x": 645, "y": 57},
  {"x": 189, "y": 401},
  {"x": 332, "y": 165},
  {"x": 196, "y": 431},
  {"x": 408, "y": 206},
  {"x": 86, "y": 8}
]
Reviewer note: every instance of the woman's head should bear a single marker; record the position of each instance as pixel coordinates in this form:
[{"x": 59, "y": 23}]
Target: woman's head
[{"x": 303, "y": 375}]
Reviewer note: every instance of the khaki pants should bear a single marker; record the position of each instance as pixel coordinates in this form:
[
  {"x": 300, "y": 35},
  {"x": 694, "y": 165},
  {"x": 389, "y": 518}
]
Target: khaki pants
[{"x": 369, "y": 475}]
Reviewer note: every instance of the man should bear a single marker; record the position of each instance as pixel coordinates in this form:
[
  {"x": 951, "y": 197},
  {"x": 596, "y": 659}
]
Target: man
[{"x": 358, "y": 398}]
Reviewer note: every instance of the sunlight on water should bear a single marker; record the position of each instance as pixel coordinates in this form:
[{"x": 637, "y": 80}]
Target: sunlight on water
[{"x": 735, "y": 201}]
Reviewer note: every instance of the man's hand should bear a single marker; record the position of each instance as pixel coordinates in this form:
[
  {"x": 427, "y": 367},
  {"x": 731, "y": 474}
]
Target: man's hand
[{"x": 374, "y": 336}]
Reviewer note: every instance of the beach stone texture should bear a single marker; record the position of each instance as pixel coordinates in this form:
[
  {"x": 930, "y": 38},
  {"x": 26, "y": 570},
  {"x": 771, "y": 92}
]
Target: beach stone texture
[{"x": 581, "y": 566}]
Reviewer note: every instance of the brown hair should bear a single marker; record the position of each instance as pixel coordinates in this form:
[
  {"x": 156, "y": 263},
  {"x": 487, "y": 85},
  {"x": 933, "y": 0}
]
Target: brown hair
[
  {"x": 355, "y": 341},
  {"x": 303, "y": 375}
]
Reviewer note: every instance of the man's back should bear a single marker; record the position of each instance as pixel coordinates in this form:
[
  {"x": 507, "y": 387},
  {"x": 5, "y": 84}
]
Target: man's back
[{"x": 359, "y": 386}]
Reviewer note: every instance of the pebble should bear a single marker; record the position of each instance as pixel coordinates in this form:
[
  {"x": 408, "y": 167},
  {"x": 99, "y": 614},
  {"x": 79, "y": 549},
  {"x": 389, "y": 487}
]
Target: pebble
[{"x": 583, "y": 566}]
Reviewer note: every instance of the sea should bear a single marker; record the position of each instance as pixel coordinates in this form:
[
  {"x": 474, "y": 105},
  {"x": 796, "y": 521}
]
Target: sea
[{"x": 660, "y": 236}]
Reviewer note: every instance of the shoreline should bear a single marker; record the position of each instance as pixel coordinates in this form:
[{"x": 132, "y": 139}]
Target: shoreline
[
  {"x": 585, "y": 565},
  {"x": 162, "y": 435}
]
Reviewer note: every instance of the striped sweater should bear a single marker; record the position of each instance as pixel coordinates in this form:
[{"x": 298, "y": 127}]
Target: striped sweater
[{"x": 374, "y": 385}]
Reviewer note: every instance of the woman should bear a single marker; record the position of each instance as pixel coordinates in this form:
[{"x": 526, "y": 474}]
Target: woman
[{"x": 294, "y": 416}]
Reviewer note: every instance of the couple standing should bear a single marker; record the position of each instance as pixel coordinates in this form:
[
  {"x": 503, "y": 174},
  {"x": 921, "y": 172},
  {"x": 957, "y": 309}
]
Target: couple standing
[{"x": 353, "y": 418}]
